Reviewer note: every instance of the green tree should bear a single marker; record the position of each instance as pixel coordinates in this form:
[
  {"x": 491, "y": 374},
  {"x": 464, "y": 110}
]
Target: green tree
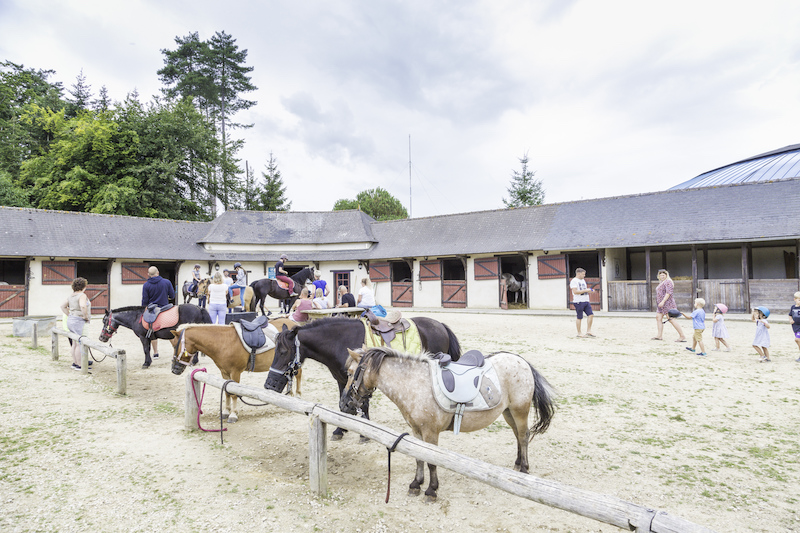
[
  {"x": 81, "y": 93},
  {"x": 524, "y": 190},
  {"x": 272, "y": 196},
  {"x": 10, "y": 194},
  {"x": 377, "y": 203}
]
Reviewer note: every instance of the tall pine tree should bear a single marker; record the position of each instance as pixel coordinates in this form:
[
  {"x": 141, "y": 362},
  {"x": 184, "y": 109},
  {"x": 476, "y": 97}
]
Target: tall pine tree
[
  {"x": 272, "y": 195},
  {"x": 524, "y": 190}
]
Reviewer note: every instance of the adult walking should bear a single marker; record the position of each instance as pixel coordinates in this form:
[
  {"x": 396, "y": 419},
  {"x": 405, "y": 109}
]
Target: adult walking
[
  {"x": 240, "y": 283},
  {"x": 665, "y": 302},
  {"x": 78, "y": 310},
  {"x": 217, "y": 301},
  {"x": 580, "y": 298},
  {"x": 159, "y": 291}
]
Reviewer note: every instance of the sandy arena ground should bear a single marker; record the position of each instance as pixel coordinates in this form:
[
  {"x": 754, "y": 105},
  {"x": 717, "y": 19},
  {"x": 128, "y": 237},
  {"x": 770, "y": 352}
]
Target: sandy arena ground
[{"x": 713, "y": 440}]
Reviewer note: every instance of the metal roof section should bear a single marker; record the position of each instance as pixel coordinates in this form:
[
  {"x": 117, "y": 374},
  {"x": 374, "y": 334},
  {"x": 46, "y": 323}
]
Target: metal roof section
[{"x": 780, "y": 164}]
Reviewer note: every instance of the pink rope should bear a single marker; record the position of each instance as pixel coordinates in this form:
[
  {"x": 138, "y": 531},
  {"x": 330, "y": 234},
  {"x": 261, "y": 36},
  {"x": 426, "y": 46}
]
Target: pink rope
[{"x": 199, "y": 402}]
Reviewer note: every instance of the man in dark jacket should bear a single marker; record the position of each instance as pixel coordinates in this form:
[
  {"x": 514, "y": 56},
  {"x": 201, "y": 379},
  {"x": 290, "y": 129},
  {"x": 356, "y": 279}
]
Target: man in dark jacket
[{"x": 159, "y": 291}]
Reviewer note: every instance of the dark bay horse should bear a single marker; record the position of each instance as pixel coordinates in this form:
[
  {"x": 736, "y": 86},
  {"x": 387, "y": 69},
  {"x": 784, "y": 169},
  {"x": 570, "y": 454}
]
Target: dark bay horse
[
  {"x": 269, "y": 287},
  {"x": 131, "y": 318},
  {"x": 327, "y": 341},
  {"x": 406, "y": 380}
]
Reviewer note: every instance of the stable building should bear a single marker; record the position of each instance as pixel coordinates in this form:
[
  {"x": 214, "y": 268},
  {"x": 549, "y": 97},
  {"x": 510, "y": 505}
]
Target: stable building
[{"x": 728, "y": 235}]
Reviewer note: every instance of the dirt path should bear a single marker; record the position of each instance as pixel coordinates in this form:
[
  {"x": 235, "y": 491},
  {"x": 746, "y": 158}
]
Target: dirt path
[{"x": 713, "y": 440}]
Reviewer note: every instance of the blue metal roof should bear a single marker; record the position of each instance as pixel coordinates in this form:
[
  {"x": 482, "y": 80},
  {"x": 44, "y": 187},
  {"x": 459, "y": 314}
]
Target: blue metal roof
[{"x": 783, "y": 163}]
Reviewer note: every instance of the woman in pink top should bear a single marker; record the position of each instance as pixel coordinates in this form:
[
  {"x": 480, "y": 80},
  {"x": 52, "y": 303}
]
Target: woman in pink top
[
  {"x": 666, "y": 302},
  {"x": 303, "y": 303}
]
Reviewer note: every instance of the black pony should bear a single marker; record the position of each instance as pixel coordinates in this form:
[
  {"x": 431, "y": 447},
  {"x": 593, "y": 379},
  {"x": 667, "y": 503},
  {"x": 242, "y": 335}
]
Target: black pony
[
  {"x": 131, "y": 317},
  {"x": 269, "y": 287},
  {"x": 327, "y": 341}
]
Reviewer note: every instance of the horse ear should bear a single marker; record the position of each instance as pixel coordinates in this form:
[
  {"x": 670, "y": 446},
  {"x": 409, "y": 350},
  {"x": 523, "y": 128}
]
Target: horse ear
[
  {"x": 355, "y": 355},
  {"x": 175, "y": 334},
  {"x": 284, "y": 328}
]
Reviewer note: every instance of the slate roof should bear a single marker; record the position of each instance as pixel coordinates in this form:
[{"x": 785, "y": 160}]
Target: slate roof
[
  {"x": 290, "y": 227},
  {"x": 733, "y": 213},
  {"x": 783, "y": 163}
]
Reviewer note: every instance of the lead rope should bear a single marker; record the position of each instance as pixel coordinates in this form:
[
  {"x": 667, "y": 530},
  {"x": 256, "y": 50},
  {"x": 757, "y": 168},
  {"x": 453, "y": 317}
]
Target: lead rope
[
  {"x": 389, "y": 477},
  {"x": 199, "y": 402}
]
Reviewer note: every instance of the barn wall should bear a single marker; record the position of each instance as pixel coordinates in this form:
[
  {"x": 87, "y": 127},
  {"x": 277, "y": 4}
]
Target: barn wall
[
  {"x": 45, "y": 299},
  {"x": 427, "y": 293},
  {"x": 545, "y": 293},
  {"x": 481, "y": 293},
  {"x": 615, "y": 269}
]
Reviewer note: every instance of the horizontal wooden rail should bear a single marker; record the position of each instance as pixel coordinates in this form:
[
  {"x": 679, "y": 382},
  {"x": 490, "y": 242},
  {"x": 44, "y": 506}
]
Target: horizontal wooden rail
[
  {"x": 86, "y": 343},
  {"x": 603, "y": 508}
]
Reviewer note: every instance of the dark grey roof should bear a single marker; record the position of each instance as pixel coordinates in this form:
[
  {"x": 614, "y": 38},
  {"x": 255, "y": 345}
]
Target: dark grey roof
[
  {"x": 37, "y": 232},
  {"x": 751, "y": 211},
  {"x": 732, "y": 213},
  {"x": 783, "y": 163},
  {"x": 290, "y": 227}
]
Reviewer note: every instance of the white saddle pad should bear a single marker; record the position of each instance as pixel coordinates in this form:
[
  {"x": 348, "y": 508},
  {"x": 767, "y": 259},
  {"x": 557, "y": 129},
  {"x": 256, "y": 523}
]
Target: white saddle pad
[
  {"x": 487, "y": 396},
  {"x": 269, "y": 332}
]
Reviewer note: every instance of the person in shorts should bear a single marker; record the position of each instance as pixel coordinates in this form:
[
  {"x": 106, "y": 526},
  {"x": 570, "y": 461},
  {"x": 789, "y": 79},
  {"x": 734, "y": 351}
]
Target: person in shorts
[
  {"x": 698, "y": 318},
  {"x": 580, "y": 297},
  {"x": 794, "y": 318}
]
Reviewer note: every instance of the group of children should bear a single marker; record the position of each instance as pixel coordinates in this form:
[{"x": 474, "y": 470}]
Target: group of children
[{"x": 720, "y": 332}]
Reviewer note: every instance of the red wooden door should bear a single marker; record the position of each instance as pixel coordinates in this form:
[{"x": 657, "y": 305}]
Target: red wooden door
[
  {"x": 12, "y": 300},
  {"x": 59, "y": 272},
  {"x": 430, "y": 270},
  {"x": 487, "y": 268},
  {"x": 595, "y": 298},
  {"x": 552, "y": 266},
  {"x": 98, "y": 297},
  {"x": 402, "y": 293},
  {"x": 380, "y": 272},
  {"x": 454, "y": 293}
]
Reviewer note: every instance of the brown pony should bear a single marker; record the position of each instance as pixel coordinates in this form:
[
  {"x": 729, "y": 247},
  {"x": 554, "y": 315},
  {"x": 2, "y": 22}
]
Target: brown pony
[{"x": 222, "y": 345}]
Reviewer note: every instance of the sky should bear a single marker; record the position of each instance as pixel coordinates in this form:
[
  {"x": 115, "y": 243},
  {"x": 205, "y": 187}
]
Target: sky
[{"x": 436, "y": 102}]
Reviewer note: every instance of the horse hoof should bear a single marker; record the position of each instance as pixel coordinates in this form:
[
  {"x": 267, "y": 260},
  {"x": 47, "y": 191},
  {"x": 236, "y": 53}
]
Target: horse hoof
[
  {"x": 430, "y": 498},
  {"x": 336, "y": 436},
  {"x": 146, "y": 366},
  {"x": 233, "y": 419},
  {"x": 363, "y": 440},
  {"x": 225, "y": 416},
  {"x": 413, "y": 492}
]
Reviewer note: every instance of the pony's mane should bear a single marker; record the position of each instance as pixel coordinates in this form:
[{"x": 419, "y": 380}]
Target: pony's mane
[
  {"x": 374, "y": 356},
  {"x": 129, "y": 308}
]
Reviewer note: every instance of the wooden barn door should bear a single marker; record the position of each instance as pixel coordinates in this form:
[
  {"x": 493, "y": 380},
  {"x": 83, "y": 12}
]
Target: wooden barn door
[
  {"x": 379, "y": 272},
  {"x": 12, "y": 300},
  {"x": 98, "y": 297},
  {"x": 454, "y": 293},
  {"x": 402, "y": 293},
  {"x": 59, "y": 272}
]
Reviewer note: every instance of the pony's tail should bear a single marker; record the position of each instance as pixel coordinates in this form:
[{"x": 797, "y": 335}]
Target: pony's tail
[
  {"x": 455, "y": 346},
  {"x": 543, "y": 402}
]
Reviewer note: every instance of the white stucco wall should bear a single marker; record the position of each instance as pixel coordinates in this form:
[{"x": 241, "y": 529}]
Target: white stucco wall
[{"x": 545, "y": 293}]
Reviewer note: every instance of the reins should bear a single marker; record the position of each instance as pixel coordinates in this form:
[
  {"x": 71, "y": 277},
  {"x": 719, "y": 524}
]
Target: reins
[
  {"x": 389, "y": 466},
  {"x": 199, "y": 402}
]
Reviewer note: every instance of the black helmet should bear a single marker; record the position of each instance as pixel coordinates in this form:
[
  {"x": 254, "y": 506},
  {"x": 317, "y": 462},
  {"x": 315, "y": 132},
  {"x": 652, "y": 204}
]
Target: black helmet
[
  {"x": 237, "y": 265},
  {"x": 674, "y": 313}
]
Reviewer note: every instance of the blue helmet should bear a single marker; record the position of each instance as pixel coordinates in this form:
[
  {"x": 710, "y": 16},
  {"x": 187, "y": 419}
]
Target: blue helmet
[
  {"x": 237, "y": 265},
  {"x": 764, "y": 311}
]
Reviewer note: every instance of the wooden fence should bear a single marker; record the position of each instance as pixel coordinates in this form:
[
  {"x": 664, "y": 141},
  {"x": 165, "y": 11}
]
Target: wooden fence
[
  {"x": 607, "y": 509},
  {"x": 86, "y": 343}
]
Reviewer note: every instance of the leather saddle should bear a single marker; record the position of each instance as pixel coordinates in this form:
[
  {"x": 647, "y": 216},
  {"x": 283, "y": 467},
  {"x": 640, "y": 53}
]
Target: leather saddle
[
  {"x": 150, "y": 317},
  {"x": 460, "y": 382},
  {"x": 389, "y": 327},
  {"x": 253, "y": 335}
]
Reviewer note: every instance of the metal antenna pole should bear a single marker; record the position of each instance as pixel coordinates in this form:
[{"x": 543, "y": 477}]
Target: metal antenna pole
[{"x": 410, "y": 215}]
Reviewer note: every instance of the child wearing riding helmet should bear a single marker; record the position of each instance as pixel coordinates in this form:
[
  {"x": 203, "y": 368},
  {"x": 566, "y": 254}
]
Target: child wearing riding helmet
[
  {"x": 240, "y": 283},
  {"x": 718, "y": 329},
  {"x": 761, "y": 342}
]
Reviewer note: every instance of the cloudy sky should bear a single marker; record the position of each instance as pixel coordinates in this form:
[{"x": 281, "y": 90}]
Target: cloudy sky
[{"x": 606, "y": 98}]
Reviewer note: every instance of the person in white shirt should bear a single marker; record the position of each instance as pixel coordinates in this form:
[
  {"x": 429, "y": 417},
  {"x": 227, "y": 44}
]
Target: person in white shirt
[
  {"x": 366, "y": 298},
  {"x": 580, "y": 297},
  {"x": 217, "y": 299}
]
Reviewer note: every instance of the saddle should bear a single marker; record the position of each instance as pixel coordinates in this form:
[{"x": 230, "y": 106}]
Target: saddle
[
  {"x": 253, "y": 336},
  {"x": 153, "y": 320},
  {"x": 285, "y": 286},
  {"x": 387, "y": 328},
  {"x": 468, "y": 384}
]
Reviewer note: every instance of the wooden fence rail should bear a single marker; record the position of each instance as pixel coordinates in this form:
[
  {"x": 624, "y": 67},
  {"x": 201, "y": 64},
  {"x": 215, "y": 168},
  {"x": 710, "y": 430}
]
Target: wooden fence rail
[
  {"x": 86, "y": 343},
  {"x": 603, "y": 508}
]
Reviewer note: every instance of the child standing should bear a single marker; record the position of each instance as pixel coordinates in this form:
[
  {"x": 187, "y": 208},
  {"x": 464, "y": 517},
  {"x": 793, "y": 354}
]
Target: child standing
[
  {"x": 698, "y": 317},
  {"x": 761, "y": 342},
  {"x": 718, "y": 329},
  {"x": 794, "y": 318}
]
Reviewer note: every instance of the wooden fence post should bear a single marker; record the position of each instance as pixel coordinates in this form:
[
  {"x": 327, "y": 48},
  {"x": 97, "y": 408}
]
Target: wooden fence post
[
  {"x": 191, "y": 409},
  {"x": 318, "y": 455},
  {"x": 84, "y": 357},
  {"x": 35, "y": 335},
  {"x": 122, "y": 372},
  {"x": 54, "y": 345}
]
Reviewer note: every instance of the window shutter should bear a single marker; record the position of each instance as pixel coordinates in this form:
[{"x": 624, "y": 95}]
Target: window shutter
[
  {"x": 380, "y": 272},
  {"x": 59, "y": 272},
  {"x": 552, "y": 266},
  {"x": 134, "y": 273},
  {"x": 430, "y": 270},
  {"x": 487, "y": 268}
]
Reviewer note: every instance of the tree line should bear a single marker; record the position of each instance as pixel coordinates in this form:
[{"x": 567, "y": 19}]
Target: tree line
[{"x": 172, "y": 157}]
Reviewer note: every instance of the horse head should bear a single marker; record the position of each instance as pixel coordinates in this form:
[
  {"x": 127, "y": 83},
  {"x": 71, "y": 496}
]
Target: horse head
[
  {"x": 181, "y": 357},
  {"x": 110, "y": 327},
  {"x": 286, "y": 360},
  {"x": 359, "y": 387}
]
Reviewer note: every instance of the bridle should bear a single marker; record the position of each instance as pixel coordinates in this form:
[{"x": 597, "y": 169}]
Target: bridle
[
  {"x": 182, "y": 356},
  {"x": 293, "y": 368},
  {"x": 358, "y": 393},
  {"x": 109, "y": 327}
]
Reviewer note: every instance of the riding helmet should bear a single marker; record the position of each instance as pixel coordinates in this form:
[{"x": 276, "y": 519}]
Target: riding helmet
[
  {"x": 764, "y": 311},
  {"x": 674, "y": 313},
  {"x": 284, "y": 256},
  {"x": 237, "y": 265}
]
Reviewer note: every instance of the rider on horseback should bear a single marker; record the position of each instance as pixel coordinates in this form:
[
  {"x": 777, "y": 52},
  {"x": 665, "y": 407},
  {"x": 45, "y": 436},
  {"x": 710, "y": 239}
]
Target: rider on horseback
[
  {"x": 195, "y": 280},
  {"x": 282, "y": 275}
]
